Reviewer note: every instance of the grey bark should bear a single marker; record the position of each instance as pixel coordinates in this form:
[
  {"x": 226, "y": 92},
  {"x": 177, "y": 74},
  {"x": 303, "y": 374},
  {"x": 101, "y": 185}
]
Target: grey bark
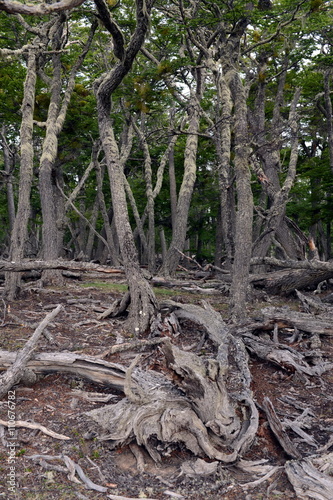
[
  {"x": 143, "y": 302},
  {"x": 276, "y": 223},
  {"x": 9, "y": 160},
  {"x": 244, "y": 214},
  {"x": 179, "y": 230},
  {"x": 150, "y": 199},
  {"x": 113, "y": 253},
  {"x": 329, "y": 113},
  {"x": 51, "y": 231},
  {"x": 222, "y": 140},
  {"x": 20, "y": 228}
]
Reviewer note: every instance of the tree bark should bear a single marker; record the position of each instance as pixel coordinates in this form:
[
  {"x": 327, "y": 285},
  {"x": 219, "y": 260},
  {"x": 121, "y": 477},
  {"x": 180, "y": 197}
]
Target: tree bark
[
  {"x": 143, "y": 302},
  {"x": 275, "y": 223},
  {"x": 20, "y": 228},
  {"x": 179, "y": 229},
  {"x": 51, "y": 233},
  {"x": 244, "y": 214},
  {"x": 8, "y": 160}
]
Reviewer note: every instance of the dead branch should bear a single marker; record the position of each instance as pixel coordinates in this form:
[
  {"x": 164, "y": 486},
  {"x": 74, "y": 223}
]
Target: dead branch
[
  {"x": 278, "y": 429},
  {"x": 14, "y": 374},
  {"x": 72, "y": 467},
  {"x": 303, "y": 321},
  {"x": 34, "y": 425}
]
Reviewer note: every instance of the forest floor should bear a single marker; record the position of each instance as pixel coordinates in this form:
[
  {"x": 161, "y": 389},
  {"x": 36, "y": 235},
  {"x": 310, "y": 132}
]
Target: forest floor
[{"x": 56, "y": 402}]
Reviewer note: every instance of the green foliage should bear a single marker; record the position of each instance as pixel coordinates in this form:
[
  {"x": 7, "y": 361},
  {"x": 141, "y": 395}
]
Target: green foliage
[{"x": 284, "y": 35}]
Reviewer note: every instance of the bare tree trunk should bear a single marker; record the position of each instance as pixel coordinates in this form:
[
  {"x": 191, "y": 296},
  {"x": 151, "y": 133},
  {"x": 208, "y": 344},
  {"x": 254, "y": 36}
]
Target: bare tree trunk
[
  {"x": 329, "y": 113},
  {"x": 91, "y": 235},
  {"x": 143, "y": 302},
  {"x": 150, "y": 200},
  {"x": 57, "y": 111},
  {"x": 179, "y": 230},
  {"x": 173, "y": 187},
  {"x": 9, "y": 160},
  {"x": 20, "y": 228},
  {"x": 113, "y": 254},
  {"x": 275, "y": 223},
  {"x": 244, "y": 215},
  {"x": 275, "y": 226},
  {"x": 222, "y": 141}
]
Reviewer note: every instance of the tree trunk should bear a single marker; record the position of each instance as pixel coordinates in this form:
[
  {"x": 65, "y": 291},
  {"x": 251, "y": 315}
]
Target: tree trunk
[
  {"x": 179, "y": 230},
  {"x": 150, "y": 200},
  {"x": 112, "y": 252},
  {"x": 329, "y": 113},
  {"x": 173, "y": 186},
  {"x": 9, "y": 161},
  {"x": 222, "y": 141},
  {"x": 275, "y": 225},
  {"x": 47, "y": 187},
  {"x": 244, "y": 215},
  {"x": 20, "y": 228},
  {"x": 51, "y": 233},
  {"x": 143, "y": 302}
]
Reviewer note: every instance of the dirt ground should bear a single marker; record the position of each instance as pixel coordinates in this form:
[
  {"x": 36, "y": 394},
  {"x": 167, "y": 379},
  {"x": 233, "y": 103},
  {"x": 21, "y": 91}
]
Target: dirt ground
[{"x": 54, "y": 401}]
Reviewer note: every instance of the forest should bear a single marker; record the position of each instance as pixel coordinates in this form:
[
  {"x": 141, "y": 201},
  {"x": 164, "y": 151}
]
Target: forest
[{"x": 166, "y": 208}]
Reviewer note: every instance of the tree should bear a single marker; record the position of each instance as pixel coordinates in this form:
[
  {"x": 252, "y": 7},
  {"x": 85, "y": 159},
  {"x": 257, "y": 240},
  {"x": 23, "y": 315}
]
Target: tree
[{"x": 143, "y": 302}]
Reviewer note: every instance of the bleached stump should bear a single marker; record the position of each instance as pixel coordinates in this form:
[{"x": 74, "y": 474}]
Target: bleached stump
[{"x": 192, "y": 405}]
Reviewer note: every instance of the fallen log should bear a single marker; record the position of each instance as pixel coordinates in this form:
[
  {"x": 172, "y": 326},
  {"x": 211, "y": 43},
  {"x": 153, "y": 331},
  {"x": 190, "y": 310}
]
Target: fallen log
[
  {"x": 294, "y": 264},
  {"x": 283, "y": 356},
  {"x": 27, "y": 265},
  {"x": 303, "y": 321},
  {"x": 88, "y": 367},
  {"x": 286, "y": 282}
]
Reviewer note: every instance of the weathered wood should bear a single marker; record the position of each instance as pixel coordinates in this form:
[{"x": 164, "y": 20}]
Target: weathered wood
[
  {"x": 284, "y": 356},
  {"x": 201, "y": 415},
  {"x": 294, "y": 264},
  {"x": 207, "y": 317},
  {"x": 26, "y": 265},
  {"x": 308, "y": 481},
  {"x": 285, "y": 282},
  {"x": 278, "y": 429},
  {"x": 35, "y": 426},
  {"x": 303, "y": 321},
  {"x": 14, "y": 374},
  {"x": 88, "y": 367}
]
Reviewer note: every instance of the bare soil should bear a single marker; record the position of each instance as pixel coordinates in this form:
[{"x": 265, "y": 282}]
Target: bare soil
[{"x": 53, "y": 402}]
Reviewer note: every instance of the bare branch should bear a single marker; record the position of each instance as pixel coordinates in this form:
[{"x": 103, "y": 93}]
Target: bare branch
[{"x": 38, "y": 9}]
